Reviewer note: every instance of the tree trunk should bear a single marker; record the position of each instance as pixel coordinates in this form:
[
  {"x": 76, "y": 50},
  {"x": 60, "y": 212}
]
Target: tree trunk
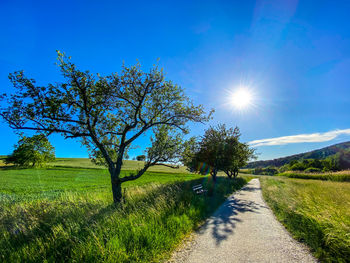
[
  {"x": 213, "y": 174},
  {"x": 116, "y": 190},
  {"x": 115, "y": 173},
  {"x": 116, "y": 184}
]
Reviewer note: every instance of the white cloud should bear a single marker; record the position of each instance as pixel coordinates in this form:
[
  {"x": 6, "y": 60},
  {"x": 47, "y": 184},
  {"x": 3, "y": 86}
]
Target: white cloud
[{"x": 312, "y": 137}]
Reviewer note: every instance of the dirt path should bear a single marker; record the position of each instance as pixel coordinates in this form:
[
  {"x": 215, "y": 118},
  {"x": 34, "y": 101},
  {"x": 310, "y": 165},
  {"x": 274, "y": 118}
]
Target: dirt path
[{"x": 243, "y": 229}]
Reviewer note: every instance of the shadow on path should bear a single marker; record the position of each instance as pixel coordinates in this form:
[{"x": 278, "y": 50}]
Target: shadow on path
[{"x": 223, "y": 222}]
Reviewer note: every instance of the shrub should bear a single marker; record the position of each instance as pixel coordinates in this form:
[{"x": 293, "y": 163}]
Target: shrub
[
  {"x": 313, "y": 170},
  {"x": 141, "y": 158}
]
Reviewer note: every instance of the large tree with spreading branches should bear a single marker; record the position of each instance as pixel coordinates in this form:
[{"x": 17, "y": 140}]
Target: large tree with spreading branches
[{"x": 107, "y": 113}]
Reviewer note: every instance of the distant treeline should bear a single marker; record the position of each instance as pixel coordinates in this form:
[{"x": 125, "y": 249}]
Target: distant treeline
[
  {"x": 337, "y": 162},
  {"x": 321, "y": 154}
]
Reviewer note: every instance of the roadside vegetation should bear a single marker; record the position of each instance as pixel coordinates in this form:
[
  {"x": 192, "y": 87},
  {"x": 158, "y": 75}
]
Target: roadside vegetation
[
  {"x": 65, "y": 214},
  {"x": 315, "y": 212},
  {"x": 341, "y": 176}
]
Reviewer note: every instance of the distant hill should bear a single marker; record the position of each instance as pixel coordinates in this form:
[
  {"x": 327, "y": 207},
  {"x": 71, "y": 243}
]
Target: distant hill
[{"x": 316, "y": 154}]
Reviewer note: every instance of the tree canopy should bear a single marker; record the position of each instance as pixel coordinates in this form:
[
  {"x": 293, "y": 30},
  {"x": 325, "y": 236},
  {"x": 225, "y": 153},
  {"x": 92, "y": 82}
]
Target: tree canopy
[
  {"x": 107, "y": 113},
  {"x": 32, "y": 151},
  {"x": 219, "y": 149},
  {"x": 141, "y": 157}
]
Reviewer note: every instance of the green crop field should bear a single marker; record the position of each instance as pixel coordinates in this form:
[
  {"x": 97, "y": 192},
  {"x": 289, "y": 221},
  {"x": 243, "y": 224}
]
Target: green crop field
[
  {"x": 65, "y": 213},
  {"x": 315, "y": 212}
]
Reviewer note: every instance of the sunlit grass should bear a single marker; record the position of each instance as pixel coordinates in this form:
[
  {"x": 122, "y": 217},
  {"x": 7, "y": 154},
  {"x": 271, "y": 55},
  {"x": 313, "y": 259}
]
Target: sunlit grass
[
  {"x": 127, "y": 165},
  {"x": 66, "y": 214},
  {"x": 341, "y": 176},
  {"x": 315, "y": 212}
]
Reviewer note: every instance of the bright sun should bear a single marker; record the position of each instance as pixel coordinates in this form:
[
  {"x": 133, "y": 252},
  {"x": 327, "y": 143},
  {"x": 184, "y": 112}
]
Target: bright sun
[{"x": 241, "y": 98}]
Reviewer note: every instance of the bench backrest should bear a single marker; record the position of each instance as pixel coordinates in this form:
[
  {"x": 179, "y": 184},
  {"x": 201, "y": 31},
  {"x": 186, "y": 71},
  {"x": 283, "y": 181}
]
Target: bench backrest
[{"x": 197, "y": 187}]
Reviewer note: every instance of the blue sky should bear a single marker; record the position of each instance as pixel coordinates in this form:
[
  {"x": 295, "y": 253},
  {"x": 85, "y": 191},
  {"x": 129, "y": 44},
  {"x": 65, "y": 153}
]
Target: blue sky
[{"x": 293, "y": 55}]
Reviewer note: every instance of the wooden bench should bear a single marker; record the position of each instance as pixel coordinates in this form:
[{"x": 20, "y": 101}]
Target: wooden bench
[{"x": 198, "y": 189}]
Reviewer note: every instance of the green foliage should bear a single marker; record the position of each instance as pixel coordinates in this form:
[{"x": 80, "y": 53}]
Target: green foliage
[
  {"x": 315, "y": 212},
  {"x": 32, "y": 151},
  {"x": 329, "y": 164},
  {"x": 313, "y": 170},
  {"x": 246, "y": 171},
  {"x": 343, "y": 159},
  {"x": 298, "y": 166},
  {"x": 141, "y": 157},
  {"x": 265, "y": 171},
  {"x": 166, "y": 146},
  {"x": 218, "y": 150},
  {"x": 73, "y": 219}
]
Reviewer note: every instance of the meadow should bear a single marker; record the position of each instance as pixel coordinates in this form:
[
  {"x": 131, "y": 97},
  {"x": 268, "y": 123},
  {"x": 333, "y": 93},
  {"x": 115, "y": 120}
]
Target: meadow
[
  {"x": 127, "y": 165},
  {"x": 65, "y": 213},
  {"x": 341, "y": 176},
  {"x": 314, "y": 211}
]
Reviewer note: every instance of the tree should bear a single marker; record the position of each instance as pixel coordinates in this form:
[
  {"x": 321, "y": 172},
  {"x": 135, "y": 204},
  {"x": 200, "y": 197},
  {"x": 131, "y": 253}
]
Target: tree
[
  {"x": 141, "y": 157},
  {"x": 32, "y": 151},
  {"x": 235, "y": 153},
  {"x": 218, "y": 150},
  {"x": 107, "y": 113}
]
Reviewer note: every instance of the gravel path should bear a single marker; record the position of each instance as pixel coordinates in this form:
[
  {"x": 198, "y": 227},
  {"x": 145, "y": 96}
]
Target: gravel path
[{"x": 243, "y": 229}]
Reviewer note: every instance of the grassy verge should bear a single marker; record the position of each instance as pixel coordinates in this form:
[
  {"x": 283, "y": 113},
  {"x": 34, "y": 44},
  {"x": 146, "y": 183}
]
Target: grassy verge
[
  {"x": 66, "y": 215},
  {"x": 342, "y": 176},
  {"x": 315, "y": 212}
]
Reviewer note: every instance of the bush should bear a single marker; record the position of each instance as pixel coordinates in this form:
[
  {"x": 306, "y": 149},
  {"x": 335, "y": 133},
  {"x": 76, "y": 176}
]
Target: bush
[
  {"x": 265, "y": 171},
  {"x": 141, "y": 157},
  {"x": 313, "y": 170},
  {"x": 298, "y": 167}
]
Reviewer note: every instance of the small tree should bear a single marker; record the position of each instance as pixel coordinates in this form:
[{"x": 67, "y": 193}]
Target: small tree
[
  {"x": 141, "y": 157},
  {"x": 107, "y": 113},
  {"x": 32, "y": 151},
  {"x": 235, "y": 154},
  {"x": 218, "y": 150}
]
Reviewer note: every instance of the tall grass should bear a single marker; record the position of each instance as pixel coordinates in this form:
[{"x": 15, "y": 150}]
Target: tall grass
[
  {"x": 315, "y": 212},
  {"x": 79, "y": 223},
  {"x": 341, "y": 176}
]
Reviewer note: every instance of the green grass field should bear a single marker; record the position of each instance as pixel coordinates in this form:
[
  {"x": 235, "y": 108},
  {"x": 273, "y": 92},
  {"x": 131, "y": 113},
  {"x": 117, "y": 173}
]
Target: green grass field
[
  {"x": 315, "y": 212},
  {"x": 341, "y": 176},
  {"x": 65, "y": 214},
  {"x": 86, "y": 163},
  {"x": 127, "y": 165}
]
